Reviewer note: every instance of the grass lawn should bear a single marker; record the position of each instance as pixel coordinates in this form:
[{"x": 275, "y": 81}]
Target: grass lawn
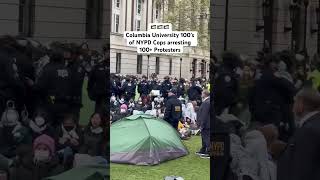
[
  {"x": 88, "y": 105},
  {"x": 190, "y": 167}
]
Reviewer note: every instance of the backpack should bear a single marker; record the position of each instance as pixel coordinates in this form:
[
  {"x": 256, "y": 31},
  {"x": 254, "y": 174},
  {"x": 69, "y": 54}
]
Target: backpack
[{"x": 10, "y": 116}]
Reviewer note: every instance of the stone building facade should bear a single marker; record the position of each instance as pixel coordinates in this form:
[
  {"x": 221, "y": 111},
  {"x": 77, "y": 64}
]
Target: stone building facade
[
  {"x": 132, "y": 15},
  {"x": 57, "y": 20},
  {"x": 248, "y": 29}
]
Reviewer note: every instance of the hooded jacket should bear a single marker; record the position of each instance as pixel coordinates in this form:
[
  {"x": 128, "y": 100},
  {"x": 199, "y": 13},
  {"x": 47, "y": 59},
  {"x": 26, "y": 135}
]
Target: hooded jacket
[{"x": 251, "y": 159}]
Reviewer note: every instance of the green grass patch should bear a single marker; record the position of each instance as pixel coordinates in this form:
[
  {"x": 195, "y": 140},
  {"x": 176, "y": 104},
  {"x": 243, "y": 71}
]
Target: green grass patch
[
  {"x": 190, "y": 167},
  {"x": 88, "y": 105}
]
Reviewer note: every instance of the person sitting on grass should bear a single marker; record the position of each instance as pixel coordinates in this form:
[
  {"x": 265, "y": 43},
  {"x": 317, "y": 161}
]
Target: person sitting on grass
[
  {"x": 39, "y": 125},
  {"x": 39, "y": 163},
  {"x": 13, "y": 134},
  {"x": 69, "y": 138},
  {"x": 123, "y": 110},
  {"x": 189, "y": 112},
  {"x": 184, "y": 129},
  {"x": 131, "y": 106},
  {"x": 114, "y": 104},
  {"x": 94, "y": 136},
  {"x": 146, "y": 104},
  {"x": 138, "y": 105}
]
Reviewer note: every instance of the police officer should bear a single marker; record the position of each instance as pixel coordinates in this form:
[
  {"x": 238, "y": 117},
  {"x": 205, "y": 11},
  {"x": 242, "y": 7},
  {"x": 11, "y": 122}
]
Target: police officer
[
  {"x": 129, "y": 88},
  {"x": 226, "y": 82},
  {"x": 173, "y": 109},
  {"x": 55, "y": 87},
  {"x": 194, "y": 92},
  {"x": 144, "y": 87},
  {"x": 154, "y": 84},
  {"x": 271, "y": 96},
  {"x": 11, "y": 86},
  {"x": 220, "y": 140},
  {"x": 24, "y": 59},
  {"x": 181, "y": 88},
  {"x": 165, "y": 87},
  {"x": 97, "y": 85},
  {"x": 175, "y": 84},
  {"x": 114, "y": 84},
  {"x": 77, "y": 77}
]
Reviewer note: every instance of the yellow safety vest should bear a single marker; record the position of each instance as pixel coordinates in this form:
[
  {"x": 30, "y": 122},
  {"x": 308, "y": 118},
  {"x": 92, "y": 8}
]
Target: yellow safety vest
[
  {"x": 180, "y": 125},
  {"x": 208, "y": 86},
  {"x": 315, "y": 77}
]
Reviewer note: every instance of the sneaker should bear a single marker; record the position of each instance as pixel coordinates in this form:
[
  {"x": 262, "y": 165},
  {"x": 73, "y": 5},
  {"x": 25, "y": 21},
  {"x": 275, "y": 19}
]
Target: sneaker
[
  {"x": 173, "y": 178},
  {"x": 205, "y": 156},
  {"x": 196, "y": 132},
  {"x": 200, "y": 153}
]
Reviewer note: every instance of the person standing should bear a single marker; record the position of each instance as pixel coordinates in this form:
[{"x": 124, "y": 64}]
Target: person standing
[
  {"x": 194, "y": 92},
  {"x": 77, "y": 78},
  {"x": 270, "y": 98},
  {"x": 154, "y": 85},
  {"x": 299, "y": 161},
  {"x": 165, "y": 87},
  {"x": 129, "y": 89},
  {"x": 203, "y": 120},
  {"x": 143, "y": 87},
  {"x": 97, "y": 85},
  {"x": 55, "y": 88},
  {"x": 173, "y": 111},
  {"x": 181, "y": 88},
  {"x": 11, "y": 86},
  {"x": 114, "y": 84},
  {"x": 226, "y": 83}
]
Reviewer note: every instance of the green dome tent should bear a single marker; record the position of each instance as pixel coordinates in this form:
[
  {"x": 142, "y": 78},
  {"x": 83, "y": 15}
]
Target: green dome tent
[
  {"x": 84, "y": 173},
  {"x": 144, "y": 140}
]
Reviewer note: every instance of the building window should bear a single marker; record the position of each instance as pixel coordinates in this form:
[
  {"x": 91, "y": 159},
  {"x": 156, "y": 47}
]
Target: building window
[
  {"x": 203, "y": 68},
  {"x": 132, "y": 15},
  {"x": 118, "y": 63},
  {"x": 157, "y": 11},
  {"x": 157, "y": 65},
  {"x": 139, "y": 64},
  {"x": 170, "y": 67},
  {"x": 194, "y": 67},
  {"x": 117, "y": 3},
  {"x": 116, "y": 22},
  {"x": 26, "y": 17},
  {"x": 94, "y": 19},
  {"x": 139, "y": 7},
  {"x": 138, "y": 24}
]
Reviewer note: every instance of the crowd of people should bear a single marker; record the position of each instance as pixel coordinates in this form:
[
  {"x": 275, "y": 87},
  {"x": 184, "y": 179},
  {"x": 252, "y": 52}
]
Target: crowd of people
[
  {"x": 41, "y": 91},
  {"x": 268, "y": 107},
  {"x": 176, "y": 101}
]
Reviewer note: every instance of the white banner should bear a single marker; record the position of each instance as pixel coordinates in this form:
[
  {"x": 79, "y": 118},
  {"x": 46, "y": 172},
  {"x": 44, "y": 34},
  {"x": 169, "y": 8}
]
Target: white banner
[{"x": 160, "y": 39}]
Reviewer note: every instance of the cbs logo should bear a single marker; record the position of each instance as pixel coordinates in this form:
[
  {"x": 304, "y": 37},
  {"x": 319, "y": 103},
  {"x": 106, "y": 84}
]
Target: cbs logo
[{"x": 160, "y": 27}]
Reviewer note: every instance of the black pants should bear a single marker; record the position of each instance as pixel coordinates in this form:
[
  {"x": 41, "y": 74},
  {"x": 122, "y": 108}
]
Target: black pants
[
  {"x": 129, "y": 96},
  {"x": 101, "y": 105},
  {"x": 57, "y": 112},
  {"x": 174, "y": 123},
  {"x": 205, "y": 136},
  {"x": 76, "y": 113}
]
